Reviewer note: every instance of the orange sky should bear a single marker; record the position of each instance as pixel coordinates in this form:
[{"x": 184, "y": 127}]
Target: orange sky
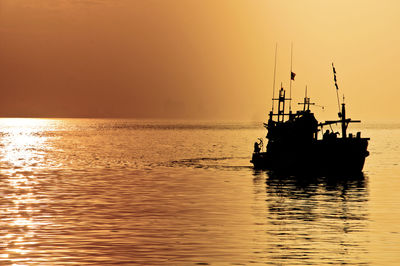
[{"x": 195, "y": 59}]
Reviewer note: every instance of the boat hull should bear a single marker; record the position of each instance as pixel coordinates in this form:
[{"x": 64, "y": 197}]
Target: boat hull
[{"x": 319, "y": 156}]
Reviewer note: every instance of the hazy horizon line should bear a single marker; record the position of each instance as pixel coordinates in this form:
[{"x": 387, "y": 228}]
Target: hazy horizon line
[{"x": 364, "y": 122}]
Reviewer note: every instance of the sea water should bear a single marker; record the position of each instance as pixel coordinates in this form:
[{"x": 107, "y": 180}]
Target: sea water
[{"x": 144, "y": 192}]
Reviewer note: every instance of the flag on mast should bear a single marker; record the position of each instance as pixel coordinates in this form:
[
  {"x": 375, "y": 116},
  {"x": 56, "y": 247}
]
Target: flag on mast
[
  {"x": 292, "y": 75},
  {"x": 334, "y": 77}
]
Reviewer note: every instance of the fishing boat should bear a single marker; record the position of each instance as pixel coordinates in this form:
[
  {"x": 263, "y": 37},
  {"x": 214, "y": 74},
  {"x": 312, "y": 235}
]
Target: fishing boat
[{"x": 298, "y": 143}]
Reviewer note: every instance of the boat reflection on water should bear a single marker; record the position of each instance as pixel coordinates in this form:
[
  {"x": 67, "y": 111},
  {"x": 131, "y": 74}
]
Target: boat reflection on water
[{"x": 316, "y": 219}]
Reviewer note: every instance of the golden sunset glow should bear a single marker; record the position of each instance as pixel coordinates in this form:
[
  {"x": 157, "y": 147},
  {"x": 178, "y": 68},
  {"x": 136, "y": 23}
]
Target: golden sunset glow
[
  {"x": 137, "y": 132},
  {"x": 195, "y": 59}
]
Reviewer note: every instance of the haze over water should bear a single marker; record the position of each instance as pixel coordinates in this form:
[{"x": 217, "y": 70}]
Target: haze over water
[{"x": 94, "y": 192}]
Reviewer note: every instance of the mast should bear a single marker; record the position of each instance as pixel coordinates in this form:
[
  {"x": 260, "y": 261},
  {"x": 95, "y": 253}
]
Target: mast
[
  {"x": 291, "y": 78},
  {"x": 280, "y": 114},
  {"x": 337, "y": 88},
  {"x": 273, "y": 84},
  {"x": 308, "y": 106},
  {"x": 281, "y": 105},
  {"x": 281, "y": 97},
  {"x": 343, "y": 121},
  {"x": 342, "y": 113},
  {"x": 306, "y": 102}
]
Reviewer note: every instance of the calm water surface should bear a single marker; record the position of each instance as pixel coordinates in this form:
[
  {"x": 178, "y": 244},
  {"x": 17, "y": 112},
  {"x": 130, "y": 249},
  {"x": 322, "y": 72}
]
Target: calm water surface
[{"x": 97, "y": 192}]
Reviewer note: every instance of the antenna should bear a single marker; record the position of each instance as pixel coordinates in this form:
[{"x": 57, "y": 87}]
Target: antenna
[
  {"x": 306, "y": 101},
  {"x": 337, "y": 88},
  {"x": 306, "y": 91},
  {"x": 273, "y": 85},
  {"x": 291, "y": 78}
]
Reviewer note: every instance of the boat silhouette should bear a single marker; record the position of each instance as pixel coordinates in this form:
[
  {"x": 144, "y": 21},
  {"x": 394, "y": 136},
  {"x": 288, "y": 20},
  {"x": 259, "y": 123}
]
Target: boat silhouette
[{"x": 297, "y": 144}]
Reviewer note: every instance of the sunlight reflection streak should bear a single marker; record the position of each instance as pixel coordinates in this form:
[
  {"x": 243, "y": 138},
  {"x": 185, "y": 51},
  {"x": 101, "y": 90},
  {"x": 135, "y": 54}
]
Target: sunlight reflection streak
[{"x": 23, "y": 150}]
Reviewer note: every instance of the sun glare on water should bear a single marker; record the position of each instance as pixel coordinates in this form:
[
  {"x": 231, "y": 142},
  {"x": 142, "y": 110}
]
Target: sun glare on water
[
  {"x": 23, "y": 145},
  {"x": 23, "y": 141}
]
